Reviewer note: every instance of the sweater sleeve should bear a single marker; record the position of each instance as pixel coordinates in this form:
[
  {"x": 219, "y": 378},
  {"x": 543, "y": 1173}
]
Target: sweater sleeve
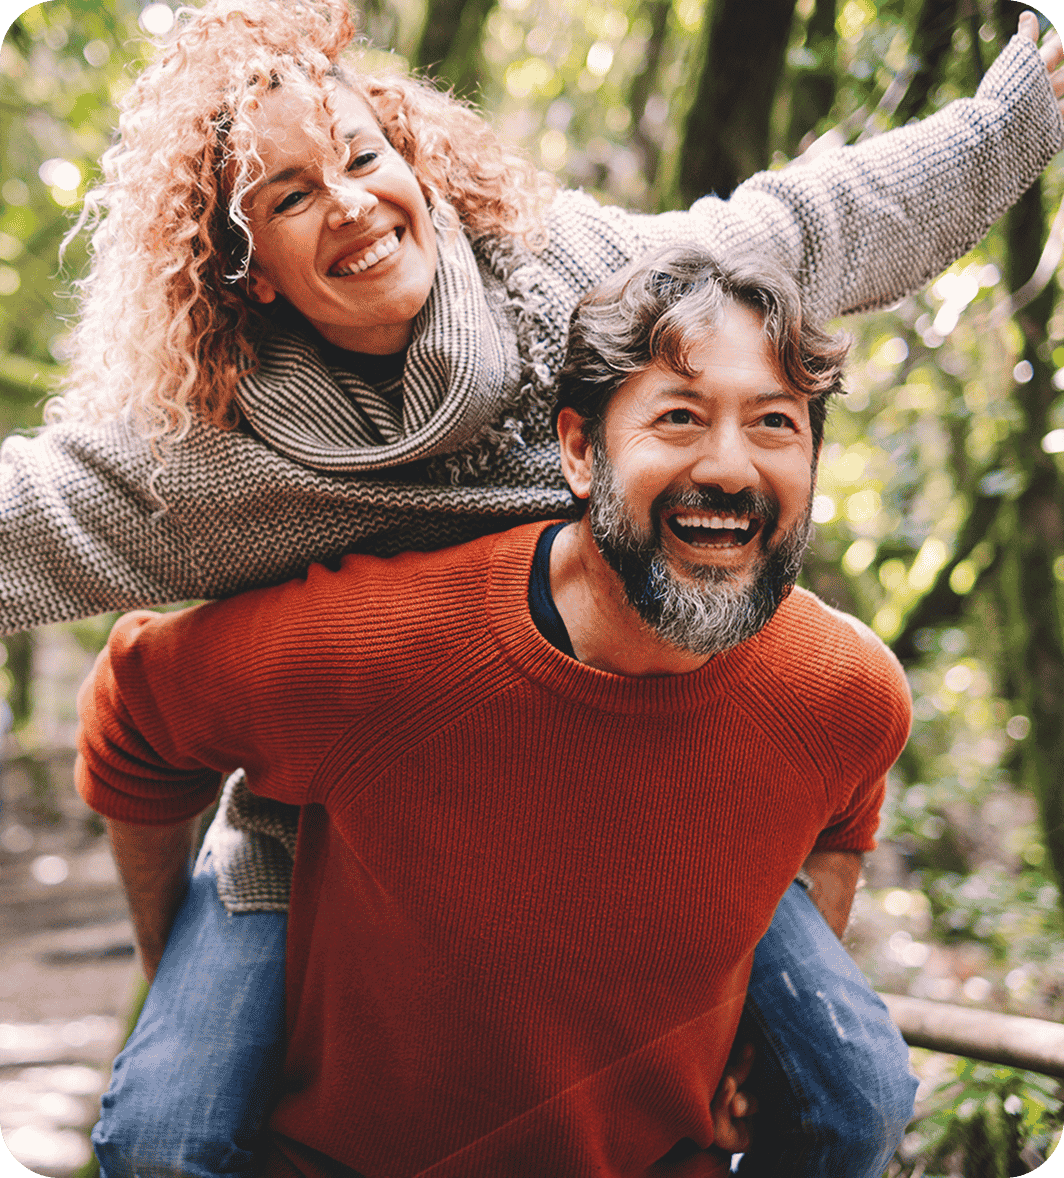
[
  {"x": 872, "y": 725},
  {"x": 121, "y": 772},
  {"x": 863, "y": 226},
  {"x": 91, "y": 521},
  {"x": 80, "y": 532},
  {"x": 178, "y": 700}
]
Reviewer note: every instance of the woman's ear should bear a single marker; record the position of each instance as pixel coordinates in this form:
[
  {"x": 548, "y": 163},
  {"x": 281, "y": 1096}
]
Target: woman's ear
[
  {"x": 259, "y": 288},
  {"x": 576, "y": 452}
]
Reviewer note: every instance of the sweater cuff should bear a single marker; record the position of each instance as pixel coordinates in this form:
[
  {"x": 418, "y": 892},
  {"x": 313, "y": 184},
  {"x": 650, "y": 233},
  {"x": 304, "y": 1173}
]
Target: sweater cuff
[
  {"x": 1018, "y": 78},
  {"x": 110, "y": 800}
]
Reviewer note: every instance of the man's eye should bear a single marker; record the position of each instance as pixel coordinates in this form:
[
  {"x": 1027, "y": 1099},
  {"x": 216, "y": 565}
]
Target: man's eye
[
  {"x": 777, "y": 421},
  {"x": 678, "y": 417}
]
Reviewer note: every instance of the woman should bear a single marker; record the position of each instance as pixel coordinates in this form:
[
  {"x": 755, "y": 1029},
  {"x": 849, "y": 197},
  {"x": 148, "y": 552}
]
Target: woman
[{"x": 323, "y": 313}]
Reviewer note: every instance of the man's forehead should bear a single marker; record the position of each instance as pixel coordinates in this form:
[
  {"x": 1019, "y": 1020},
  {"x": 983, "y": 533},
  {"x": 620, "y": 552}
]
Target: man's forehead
[{"x": 718, "y": 360}]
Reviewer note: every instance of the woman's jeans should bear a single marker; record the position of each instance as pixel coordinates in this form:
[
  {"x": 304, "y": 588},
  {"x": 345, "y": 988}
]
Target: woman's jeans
[{"x": 194, "y": 1083}]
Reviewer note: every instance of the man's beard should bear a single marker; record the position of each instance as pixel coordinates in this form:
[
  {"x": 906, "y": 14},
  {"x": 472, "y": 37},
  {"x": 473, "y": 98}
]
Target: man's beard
[{"x": 708, "y": 610}]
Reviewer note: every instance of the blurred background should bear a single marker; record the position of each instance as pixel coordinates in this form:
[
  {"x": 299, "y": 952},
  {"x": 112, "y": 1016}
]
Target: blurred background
[{"x": 940, "y": 510}]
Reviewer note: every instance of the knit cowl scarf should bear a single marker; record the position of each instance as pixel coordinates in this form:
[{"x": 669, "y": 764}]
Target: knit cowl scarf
[{"x": 467, "y": 381}]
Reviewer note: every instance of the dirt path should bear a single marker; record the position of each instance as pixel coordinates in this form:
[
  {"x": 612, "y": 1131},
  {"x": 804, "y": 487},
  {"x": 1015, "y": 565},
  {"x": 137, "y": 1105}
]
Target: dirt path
[{"x": 67, "y": 976}]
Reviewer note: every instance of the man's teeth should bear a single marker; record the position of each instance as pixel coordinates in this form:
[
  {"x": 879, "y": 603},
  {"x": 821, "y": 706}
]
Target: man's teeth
[
  {"x": 717, "y": 522},
  {"x": 376, "y": 253}
]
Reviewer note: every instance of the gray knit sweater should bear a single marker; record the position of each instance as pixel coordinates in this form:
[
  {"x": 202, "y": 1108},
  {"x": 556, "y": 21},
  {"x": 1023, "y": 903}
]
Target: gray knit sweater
[{"x": 324, "y": 465}]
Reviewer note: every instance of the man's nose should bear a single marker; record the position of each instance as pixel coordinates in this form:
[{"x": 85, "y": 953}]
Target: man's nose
[
  {"x": 349, "y": 202},
  {"x": 723, "y": 459}
]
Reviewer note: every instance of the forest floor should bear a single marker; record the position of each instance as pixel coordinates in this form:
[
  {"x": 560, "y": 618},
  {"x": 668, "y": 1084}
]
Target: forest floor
[{"x": 67, "y": 979}]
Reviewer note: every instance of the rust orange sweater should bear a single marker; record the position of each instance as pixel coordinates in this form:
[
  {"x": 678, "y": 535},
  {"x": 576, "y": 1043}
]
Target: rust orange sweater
[{"x": 527, "y": 892}]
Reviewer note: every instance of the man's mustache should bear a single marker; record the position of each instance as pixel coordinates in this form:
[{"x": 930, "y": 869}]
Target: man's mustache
[{"x": 712, "y": 499}]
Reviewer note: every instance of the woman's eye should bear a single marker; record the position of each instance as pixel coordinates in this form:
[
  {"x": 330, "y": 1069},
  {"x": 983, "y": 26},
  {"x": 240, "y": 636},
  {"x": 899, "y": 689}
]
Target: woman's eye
[
  {"x": 678, "y": 417},
  {"x": 289, "y": 202},
  {"x": 362, "y": 160}
]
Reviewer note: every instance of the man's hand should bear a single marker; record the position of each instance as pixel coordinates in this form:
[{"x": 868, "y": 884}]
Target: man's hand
[
  {"x": 834, "y": 875},
  {"x": 153, "y": 862},
  {"x": 1052, "y": 52},
  {"x": 731, "y": 1108}
]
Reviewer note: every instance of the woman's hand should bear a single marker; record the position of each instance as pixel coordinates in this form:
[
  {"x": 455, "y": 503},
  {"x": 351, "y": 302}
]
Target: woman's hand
[{"x": 1051, "y": 50}]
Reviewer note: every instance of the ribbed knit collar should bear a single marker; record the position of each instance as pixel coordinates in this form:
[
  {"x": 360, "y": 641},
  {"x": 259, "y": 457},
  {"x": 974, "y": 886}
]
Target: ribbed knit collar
[
  {"x": 461, "y": 368},
  {"x": 537, "y": 660}
]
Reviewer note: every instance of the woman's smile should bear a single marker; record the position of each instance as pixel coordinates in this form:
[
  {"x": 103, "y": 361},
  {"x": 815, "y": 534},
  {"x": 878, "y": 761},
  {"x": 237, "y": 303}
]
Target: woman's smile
[
  {"x": 349, "y": 244},
  {"x": 362, "y": 260}
]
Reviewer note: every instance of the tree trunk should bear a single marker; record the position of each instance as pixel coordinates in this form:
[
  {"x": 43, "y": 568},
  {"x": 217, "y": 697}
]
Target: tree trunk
[
  {"x": 813, "y": 90},
  {"x": 931, "y": 45},
  {"x": 1029, "y": 593},
  {"x": 941, "y": 603},
  {"x": 644, "y": 86},
  {"x": 726, "y": 136},
  {"x": 1028, "y": 587},
  {"x": 449, "y": 49},
  {"x": 20, "y": 669},
  {"x": 379, "y": 23},
  {"x": 1033, "y": 1044}
]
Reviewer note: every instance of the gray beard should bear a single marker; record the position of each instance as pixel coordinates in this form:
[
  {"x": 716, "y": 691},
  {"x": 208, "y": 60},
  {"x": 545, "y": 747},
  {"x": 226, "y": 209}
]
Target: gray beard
[{"x": 707, "y": 611}]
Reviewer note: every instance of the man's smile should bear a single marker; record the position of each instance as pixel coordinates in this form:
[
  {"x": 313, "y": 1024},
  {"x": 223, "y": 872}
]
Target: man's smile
[{"x": 711, "y": 530}]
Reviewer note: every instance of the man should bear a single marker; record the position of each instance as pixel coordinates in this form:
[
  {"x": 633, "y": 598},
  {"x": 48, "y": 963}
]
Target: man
[{"x": 555, "y": 782}]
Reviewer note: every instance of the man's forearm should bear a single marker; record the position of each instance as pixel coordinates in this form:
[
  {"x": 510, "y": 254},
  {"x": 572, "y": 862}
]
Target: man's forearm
[
  {"x": 153, "y": 862},
  {"x": 834, "y": 875}
]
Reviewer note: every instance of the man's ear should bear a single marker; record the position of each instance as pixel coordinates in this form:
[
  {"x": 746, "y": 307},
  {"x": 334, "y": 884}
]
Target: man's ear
[{"x": 576, "y": 452}]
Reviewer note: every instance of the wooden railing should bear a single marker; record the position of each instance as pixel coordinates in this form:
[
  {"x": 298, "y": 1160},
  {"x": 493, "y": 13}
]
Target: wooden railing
[{"x": 1033, "y": 1044}]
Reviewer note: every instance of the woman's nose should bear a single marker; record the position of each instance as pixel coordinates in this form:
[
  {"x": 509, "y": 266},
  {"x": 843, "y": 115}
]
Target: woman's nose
[{"x": 350, "y": 202}]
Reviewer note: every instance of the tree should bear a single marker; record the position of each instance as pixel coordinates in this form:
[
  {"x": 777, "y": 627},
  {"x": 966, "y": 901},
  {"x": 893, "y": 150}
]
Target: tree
[
  {"x": 727, "y": 131},
  {"x": 73, "y": 114},
  {"x": 813, "y": 86},
  {"x": 645, "y": 85},
  {"x": 449, "y": 48},
  {"x": 931, "y": 44},
  {"x": 1027, "y": 582}
]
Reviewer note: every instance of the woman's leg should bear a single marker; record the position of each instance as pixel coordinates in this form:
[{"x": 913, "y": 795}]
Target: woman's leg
[
  {"x": 190, "y": 1089},
  {"x": 833, "y": 1074}
]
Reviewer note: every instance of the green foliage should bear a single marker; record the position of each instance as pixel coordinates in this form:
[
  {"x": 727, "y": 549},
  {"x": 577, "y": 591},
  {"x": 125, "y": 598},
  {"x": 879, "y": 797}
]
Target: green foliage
[
  {"x": 64, "y": 65},
  {"x": 982, "y": 1121}
]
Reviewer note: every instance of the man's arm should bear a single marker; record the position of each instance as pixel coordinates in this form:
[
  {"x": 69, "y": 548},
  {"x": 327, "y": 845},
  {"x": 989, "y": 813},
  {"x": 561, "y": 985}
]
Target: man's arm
[
  {"x": 153, "y": 863},
  {"x": 834, "y": 876}
]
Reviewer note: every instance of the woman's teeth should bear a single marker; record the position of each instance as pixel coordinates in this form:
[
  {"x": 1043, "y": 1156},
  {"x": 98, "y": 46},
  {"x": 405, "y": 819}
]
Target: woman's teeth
[{"x": 376, "y": 253}]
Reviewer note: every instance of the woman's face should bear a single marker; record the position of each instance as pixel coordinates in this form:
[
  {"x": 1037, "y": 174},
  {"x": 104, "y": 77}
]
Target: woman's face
[{"x": 356, "y": 258}]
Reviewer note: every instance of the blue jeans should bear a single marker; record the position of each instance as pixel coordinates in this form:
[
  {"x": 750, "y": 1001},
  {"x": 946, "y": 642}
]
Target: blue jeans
[
  {"x": 193, "y": 1084},
  {"x": 832, "y": 1071}
]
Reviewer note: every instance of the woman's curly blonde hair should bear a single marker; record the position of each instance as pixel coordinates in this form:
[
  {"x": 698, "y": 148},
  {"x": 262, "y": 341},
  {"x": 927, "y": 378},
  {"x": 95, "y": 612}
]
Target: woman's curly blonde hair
[{"x": 166, "y": 330}]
